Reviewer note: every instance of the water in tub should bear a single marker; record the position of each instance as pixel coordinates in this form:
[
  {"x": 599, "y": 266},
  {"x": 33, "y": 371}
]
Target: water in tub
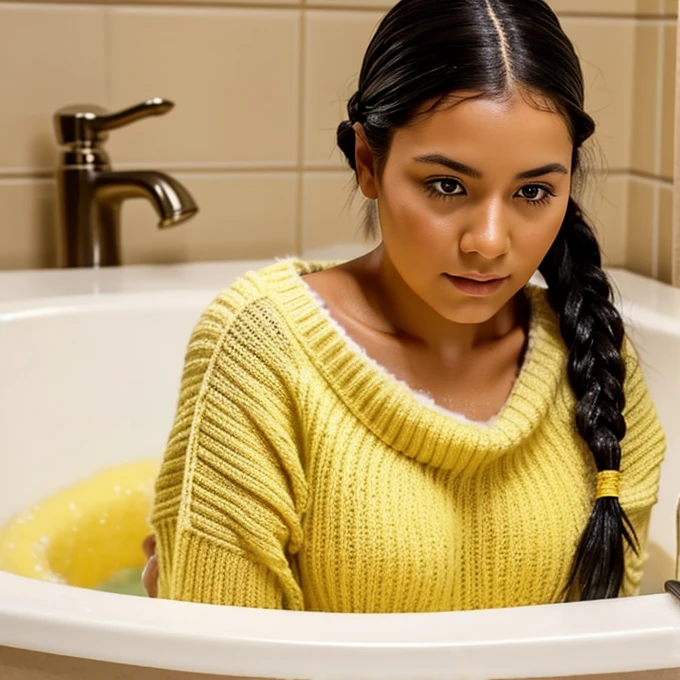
[{"x": 88, "y": 535}]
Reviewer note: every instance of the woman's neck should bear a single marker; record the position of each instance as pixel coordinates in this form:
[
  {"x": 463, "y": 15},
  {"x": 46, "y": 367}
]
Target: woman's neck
[{"x": 399, "y": 311}]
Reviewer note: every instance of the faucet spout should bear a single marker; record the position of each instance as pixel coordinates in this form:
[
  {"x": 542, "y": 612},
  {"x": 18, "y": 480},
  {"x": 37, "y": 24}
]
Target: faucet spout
[
  {"x": 172, "y": 201},
  {"x": 90, "y": 193}
]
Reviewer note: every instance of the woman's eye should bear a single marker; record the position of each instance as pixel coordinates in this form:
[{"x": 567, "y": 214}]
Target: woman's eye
[
  {"x": 445, "y": 187},
  {"x": 535, "y": 193}
]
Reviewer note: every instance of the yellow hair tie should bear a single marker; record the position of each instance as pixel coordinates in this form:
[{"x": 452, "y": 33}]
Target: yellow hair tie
[{"x": 608, "y": 484}]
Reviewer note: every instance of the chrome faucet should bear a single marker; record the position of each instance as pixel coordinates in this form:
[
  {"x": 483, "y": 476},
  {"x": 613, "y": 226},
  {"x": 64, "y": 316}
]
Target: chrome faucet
[{"x": 89, "y": 192}]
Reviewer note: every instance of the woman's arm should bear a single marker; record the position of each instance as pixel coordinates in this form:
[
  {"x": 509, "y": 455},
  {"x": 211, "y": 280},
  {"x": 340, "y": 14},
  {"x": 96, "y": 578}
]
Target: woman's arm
[{"x": 231, "y": 489}]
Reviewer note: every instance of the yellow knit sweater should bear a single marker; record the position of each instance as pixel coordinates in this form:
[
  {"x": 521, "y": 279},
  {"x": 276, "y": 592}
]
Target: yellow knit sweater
[{"x": 300, "y": 474}]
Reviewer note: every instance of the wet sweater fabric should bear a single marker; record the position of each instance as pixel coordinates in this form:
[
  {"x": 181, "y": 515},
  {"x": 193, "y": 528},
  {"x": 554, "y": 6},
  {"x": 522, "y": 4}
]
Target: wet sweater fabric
[{"x": 300, "y": 474}]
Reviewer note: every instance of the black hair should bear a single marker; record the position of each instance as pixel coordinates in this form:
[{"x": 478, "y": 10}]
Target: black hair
[{"x": 422, "y": 53}]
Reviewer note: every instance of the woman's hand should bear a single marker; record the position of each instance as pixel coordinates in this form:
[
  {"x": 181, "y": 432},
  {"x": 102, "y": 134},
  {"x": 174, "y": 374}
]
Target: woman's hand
[{"x": 150, "y": 572}]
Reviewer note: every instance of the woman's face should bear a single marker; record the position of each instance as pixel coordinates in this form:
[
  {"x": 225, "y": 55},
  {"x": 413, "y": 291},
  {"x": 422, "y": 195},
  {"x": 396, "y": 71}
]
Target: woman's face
[{"x": 470, "y": 200}]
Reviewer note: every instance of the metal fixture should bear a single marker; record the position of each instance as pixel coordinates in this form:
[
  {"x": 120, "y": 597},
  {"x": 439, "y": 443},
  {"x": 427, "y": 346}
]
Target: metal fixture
[
  {"x": 673, "y": 586},
  {"x": 90, "y": 192}
]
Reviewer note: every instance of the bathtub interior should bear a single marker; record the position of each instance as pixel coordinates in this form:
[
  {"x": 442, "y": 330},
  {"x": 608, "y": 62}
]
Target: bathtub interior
[
  {"x": 91, "y": 382},
  {"x": 659, "y": 351}
]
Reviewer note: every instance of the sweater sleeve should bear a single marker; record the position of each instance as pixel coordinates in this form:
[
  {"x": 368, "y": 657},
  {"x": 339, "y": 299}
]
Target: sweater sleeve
[
  {"x": 231, "y": 489},
  {"x": 642, "y": 452}
]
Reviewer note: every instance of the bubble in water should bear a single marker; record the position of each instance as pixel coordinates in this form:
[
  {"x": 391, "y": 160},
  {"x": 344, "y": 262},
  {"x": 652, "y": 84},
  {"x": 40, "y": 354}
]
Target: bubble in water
[{"x": 56, "y": 578}]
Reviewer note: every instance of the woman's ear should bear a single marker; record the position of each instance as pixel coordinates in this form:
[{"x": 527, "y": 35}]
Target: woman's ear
[{"x": 365, "y": 164}]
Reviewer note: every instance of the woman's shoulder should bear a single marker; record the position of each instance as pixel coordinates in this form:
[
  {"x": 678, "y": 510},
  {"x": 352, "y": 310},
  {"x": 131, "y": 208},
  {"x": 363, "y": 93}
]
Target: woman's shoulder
[{"x": 259, "y": 305}]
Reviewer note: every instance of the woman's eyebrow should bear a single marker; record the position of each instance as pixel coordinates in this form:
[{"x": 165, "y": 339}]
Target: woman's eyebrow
[
  {"x": 438, "y": 159},
  {"x": 544, "y": 170}
]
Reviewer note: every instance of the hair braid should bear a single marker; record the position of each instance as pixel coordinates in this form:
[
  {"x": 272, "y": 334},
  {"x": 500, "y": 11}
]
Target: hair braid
[{"x": 592, "y": 329}]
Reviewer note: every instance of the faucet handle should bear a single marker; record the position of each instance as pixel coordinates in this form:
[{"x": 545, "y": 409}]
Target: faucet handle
[{"x": 88, "y": 124}]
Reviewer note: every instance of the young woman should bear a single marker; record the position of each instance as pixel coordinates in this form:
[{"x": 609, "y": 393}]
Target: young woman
[{"x": 422, "y": 429}]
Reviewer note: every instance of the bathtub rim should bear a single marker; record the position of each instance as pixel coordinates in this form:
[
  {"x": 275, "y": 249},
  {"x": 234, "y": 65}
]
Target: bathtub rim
[{"x": 628, "y": 634}]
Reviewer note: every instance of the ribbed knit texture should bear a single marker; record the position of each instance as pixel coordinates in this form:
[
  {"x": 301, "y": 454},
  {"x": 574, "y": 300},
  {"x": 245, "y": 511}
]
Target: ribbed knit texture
[{"x": 300, "y": 474}]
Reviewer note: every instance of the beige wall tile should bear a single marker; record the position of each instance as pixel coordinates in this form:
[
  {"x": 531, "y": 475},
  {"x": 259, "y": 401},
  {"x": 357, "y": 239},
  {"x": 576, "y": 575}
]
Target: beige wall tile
[
  {"x": 249, "y": 215},
  {"x": 668, "y": 106},
  {"x": 595, "y": 6},
  {"x": 27, "y": 224},
  {"x": 666, "y": 234},
  {"x": 641, "y": 227},
  {"x": 350, "y": 4},
  {"x": 331, "y": 215},
  {"x": 676, "y": 238},
  {"x": 571, "y": 7},
  {"x": 671, "y": 7},
  {"x": 650, "y": 7},
  {"x": 675, "y": 234},
  {"x": 604, "y": 7},
  {"x": 233, "y": 74},
  {"x": 199, "y": 3},
  {"x": 606, "y": 51},
  {"x": 335, "y": 45},
  {"x": 50, "y": 56},
  {"x": 646, "y": 114},
  {"x": 585, "y": 7},
  {"x": 605, "y": 203}
]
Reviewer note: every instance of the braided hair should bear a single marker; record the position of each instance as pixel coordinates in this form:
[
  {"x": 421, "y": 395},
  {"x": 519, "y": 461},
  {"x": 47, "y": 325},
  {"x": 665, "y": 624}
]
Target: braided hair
[
  {"x": 592, "y": 329},
  {"x": 424, "y": 50}
]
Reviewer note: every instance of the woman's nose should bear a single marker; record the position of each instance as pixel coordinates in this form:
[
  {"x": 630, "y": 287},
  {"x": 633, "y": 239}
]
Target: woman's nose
[{"x": 486, "y": 233}]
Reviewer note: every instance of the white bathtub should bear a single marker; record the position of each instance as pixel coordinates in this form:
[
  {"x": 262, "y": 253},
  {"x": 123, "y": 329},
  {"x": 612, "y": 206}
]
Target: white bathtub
[{"x": 82, "y": 351}]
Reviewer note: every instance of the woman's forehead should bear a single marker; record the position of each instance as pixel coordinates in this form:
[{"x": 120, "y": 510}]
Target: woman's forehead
[{"x": 485, "y": 125}]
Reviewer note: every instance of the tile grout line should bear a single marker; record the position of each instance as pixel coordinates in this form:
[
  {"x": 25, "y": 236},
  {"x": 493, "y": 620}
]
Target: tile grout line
[
  {"x": 675, "y": 212},
  {"x": 10, "y": 172},
  {"x": 625, "y": 220},
  {"x": 108, "y": 70},
  {"x": 301, "y": 127},
  {"x": 643, "y": 177},
  {"x": 658, "y": 142},
  {"x": 656, "y": 215},
  {"x": 663, "y": 16},
  {"x": 47, "y": 174}
]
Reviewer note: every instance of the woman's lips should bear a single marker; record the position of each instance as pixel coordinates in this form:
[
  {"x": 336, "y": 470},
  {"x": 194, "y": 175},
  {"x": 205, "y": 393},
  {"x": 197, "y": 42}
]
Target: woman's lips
[{"x": 476, "y": 287}]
